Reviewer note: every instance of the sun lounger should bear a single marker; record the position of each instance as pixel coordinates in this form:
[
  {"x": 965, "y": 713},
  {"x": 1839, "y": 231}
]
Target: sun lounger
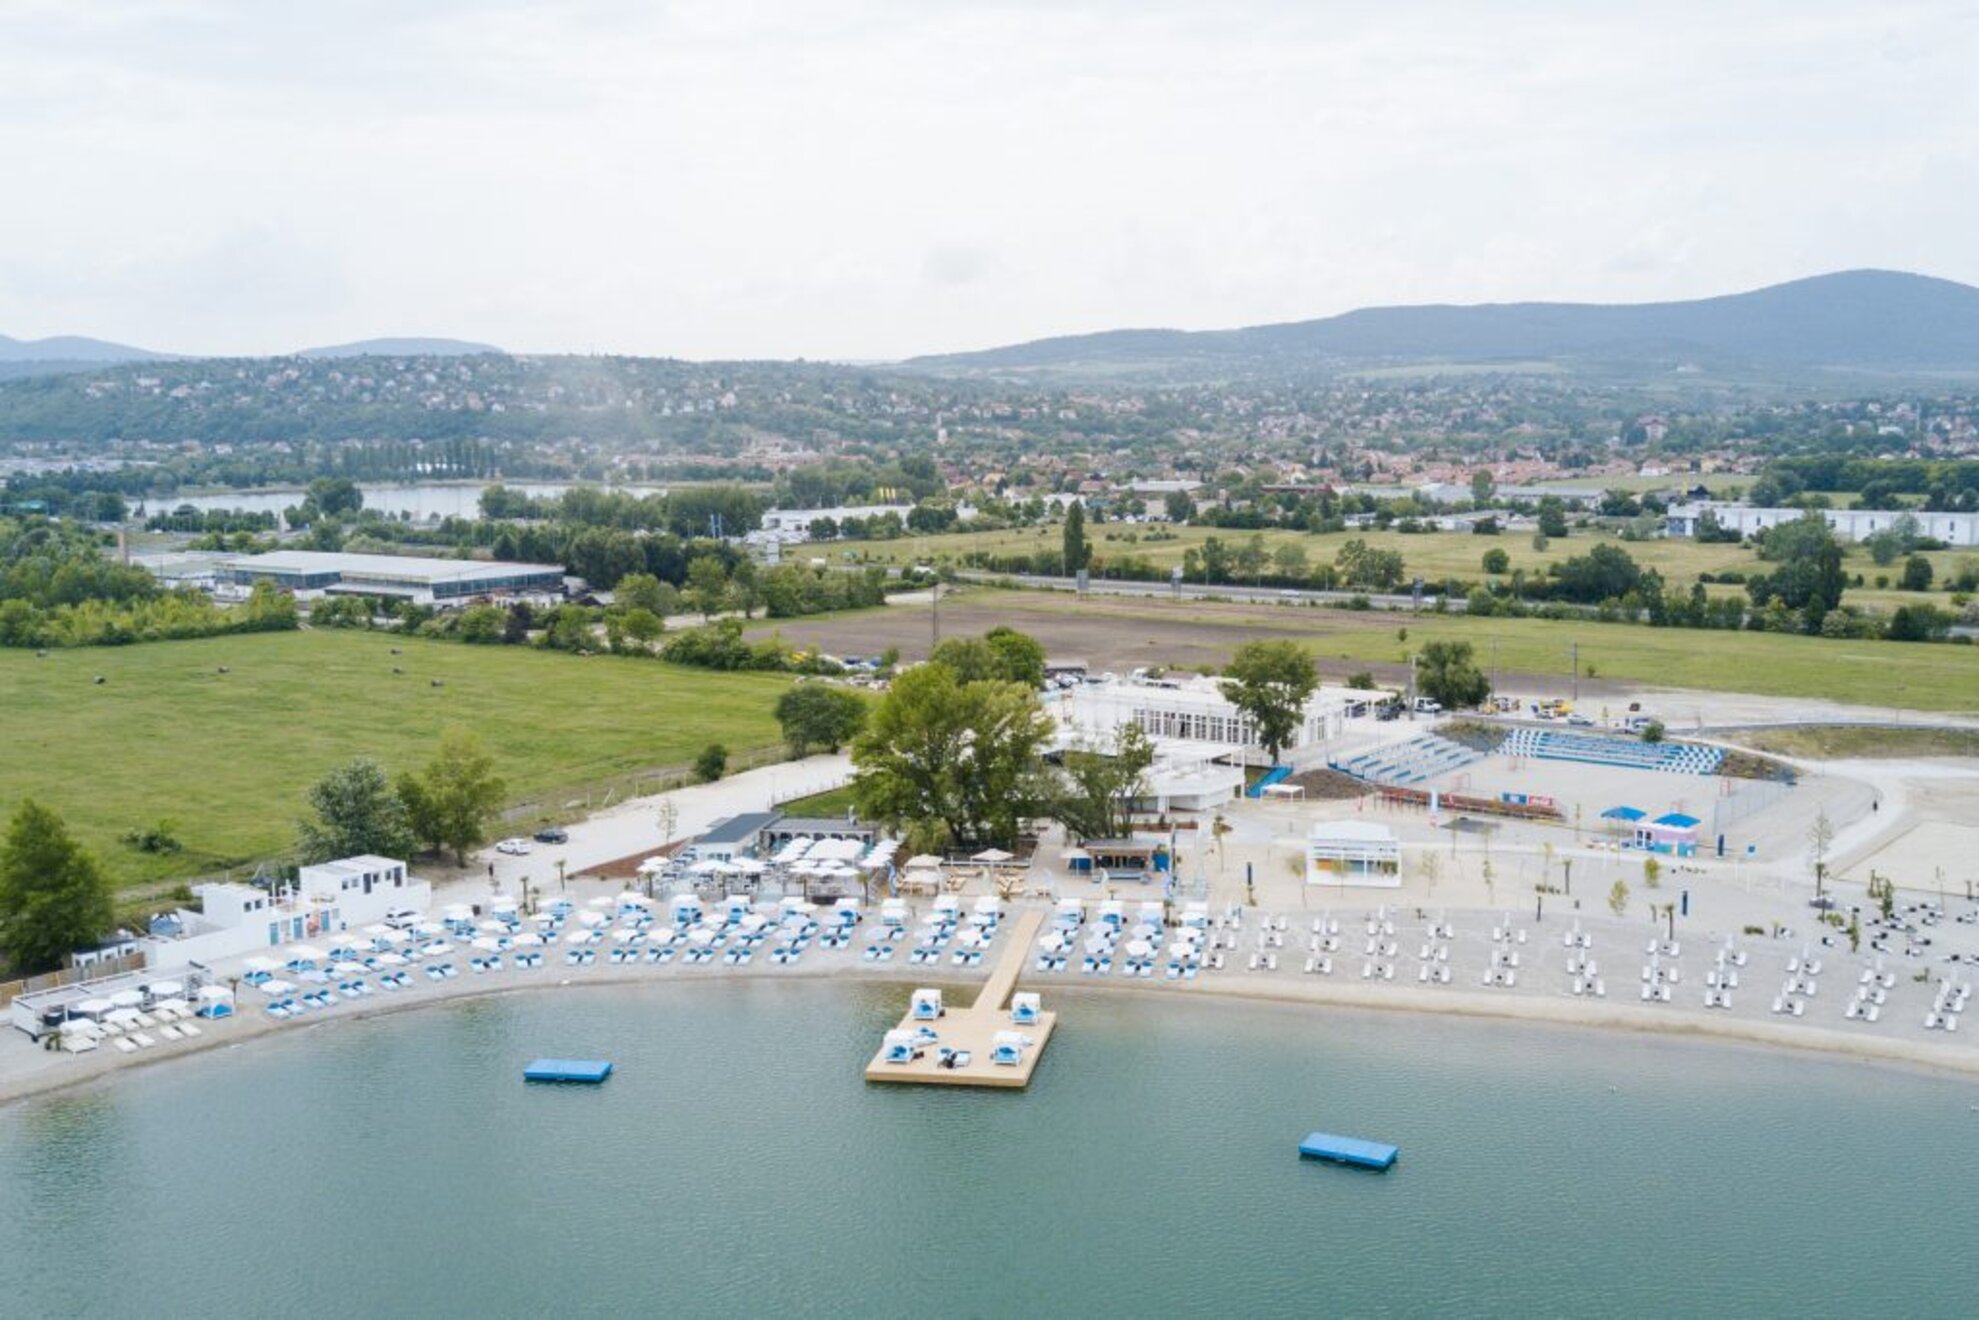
[
  {"x": 143, "y": 1039},
  {"x": 124, "y": 1046},
  {"x": 190, "y": 1029}
]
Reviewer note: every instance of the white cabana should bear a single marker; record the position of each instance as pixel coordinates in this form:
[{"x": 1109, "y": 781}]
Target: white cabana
[
  {"x": 305, "y": 953},
  {"x": 993, "y": 857}
]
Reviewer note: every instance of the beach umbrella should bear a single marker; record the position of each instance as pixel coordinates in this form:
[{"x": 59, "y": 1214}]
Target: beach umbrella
[
  {"x": 429, "y": 928},
  {"x": 527, "y": 939},
  {"x": 93, "y": 1007},
  {"x": 630, "y": 899},
  {"x": 127, "y": 999},
  {"x": 358, "y": 968},
  {"x": 215, "y": 994},
  {"x": 592, "y": 918},
  {"x": 664, "y": 935},
  {"x": 578, "y": 937},
  {"x": 487, "y": 944},
  {"x": 746, "y": 866},
  {"x": 923, "y": 862},
  {"x": 458, "y": 912},
  {"x": 1052, "y": 942},
  {"x": 166, "y": 989},
  {"x": 121, "y": 1016},
  {"x": 993, "y": 857},
  {"x": 1182, "y": 949},
  {"x": 652, "y": 865},
  {"x": 1139, "y": 949},
  {"x": 701, "y": 936},
  {"x": 1099, "y": 944},
  {"x": 493, "y": 928}
]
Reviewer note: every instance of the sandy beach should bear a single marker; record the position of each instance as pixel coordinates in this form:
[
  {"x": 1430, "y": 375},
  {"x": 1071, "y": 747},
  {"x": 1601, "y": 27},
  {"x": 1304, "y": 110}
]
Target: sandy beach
[{"x": 1540, "y": 996}]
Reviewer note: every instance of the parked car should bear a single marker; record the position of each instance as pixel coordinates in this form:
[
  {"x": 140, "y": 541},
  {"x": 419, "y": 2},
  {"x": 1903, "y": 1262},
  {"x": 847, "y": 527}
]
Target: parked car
[
  {"x": 514, "y": 847},
  {"x": 554, "y": 834},
  {"x": 1428, "y": 706},
  {"x": 1580, "y": 721}
]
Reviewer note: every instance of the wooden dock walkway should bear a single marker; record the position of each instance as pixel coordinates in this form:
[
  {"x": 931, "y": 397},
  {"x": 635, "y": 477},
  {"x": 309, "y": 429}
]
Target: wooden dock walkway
[{"x": 974, "y": 1028}]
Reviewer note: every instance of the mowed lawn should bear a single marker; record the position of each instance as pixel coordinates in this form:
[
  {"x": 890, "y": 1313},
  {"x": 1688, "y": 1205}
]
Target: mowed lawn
[
  {"x": 1433, "y": 556},
  {"x": 228, "y": 756},
  {"x": 1880, "y": 674}
]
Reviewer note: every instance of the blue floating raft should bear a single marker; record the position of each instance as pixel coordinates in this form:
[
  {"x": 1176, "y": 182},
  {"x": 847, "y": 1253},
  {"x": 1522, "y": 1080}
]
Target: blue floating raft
[
  {"x": 1349, "y": 1150},
  {"x": 592, "y": 1071}
]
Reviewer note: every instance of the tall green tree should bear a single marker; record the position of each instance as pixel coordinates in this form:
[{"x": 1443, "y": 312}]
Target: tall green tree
[
  {"x": 1099, "y": 784},
  {"x": 1446, "y": 673},
  {"x": 814, "y": 715},
  {"x": 451, "y": 803},
  {"x": 53, "y": 896},
  {"x": 1271, "y": 682},
  {"x": 961, "y": 756},
  {"x": 354, "y": 810},
  {"x": 1076, "y": 550}
]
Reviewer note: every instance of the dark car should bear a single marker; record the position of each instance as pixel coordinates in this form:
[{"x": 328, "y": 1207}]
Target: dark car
[{"x": 553, "y": 835}]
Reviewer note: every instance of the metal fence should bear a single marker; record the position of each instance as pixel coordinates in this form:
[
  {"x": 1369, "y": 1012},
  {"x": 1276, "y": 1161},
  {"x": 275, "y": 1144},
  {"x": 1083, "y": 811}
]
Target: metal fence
[{"x": 12, "y": 990}]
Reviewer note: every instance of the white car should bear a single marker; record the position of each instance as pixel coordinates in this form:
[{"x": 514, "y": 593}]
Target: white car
[{"x": 514, "y": 847}]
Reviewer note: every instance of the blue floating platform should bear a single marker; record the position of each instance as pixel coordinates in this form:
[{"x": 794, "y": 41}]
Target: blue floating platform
[
  {"x": 591, "y": 1071},
  {"x": 1349, "y": 1150}
]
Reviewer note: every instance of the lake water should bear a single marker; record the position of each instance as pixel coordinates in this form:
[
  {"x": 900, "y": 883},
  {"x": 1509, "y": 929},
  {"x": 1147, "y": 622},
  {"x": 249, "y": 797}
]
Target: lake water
[
  {"x": 421, "y": 499},
  {"x": 738, "y": 1165}
]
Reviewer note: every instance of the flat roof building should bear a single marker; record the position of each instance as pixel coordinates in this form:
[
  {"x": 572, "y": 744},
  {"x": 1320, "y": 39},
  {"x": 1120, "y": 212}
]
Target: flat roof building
[
  {"x": 409, "y": 577},
  {"x": 1955, "y": 529}
]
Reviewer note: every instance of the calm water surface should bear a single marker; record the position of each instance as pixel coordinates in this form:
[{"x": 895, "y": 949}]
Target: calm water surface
[{"x": 737, "y": 1165}]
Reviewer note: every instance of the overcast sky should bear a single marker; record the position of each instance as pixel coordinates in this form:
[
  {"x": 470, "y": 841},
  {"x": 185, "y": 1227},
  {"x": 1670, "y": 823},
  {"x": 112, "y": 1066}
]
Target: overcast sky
[{"x": 877, "y": 178}]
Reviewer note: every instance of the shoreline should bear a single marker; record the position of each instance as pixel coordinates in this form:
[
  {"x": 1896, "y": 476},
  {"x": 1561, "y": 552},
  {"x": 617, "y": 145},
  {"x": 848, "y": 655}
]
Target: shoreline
[{"x": 1234, "y": 988}]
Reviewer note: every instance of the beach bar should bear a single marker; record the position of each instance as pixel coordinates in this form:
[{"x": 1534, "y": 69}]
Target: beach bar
[
  {"x": 590, "y": 1071},
  {"x": 1348, "y": 1150}
]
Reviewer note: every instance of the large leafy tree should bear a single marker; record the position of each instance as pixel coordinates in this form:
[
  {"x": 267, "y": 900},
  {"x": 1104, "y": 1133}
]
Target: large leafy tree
[
  {"x": 353, "y": 810},
  {"x": 1446, "y": 672},
  {"x": 814, "y": 715},
  {"x": 53, "y": 896},
  {"x": 450, "y": 804},
  {"x": 963, "y": 756},
  {"x": 1099, "y": 784},
  {"x": 1271, "y": 682},
  {"x": 1002, "y": 654},
  {"x": 1809, "y": 578},
  {"x": 1077, "y": 551}
]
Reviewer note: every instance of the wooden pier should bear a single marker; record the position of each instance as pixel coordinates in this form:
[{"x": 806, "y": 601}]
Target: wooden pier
[{"x": 974, "y": 1028}]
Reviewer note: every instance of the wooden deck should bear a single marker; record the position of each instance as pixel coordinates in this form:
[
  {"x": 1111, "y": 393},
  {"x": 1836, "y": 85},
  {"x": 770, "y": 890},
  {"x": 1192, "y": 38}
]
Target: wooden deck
[{"x": 974, "y": 1027}]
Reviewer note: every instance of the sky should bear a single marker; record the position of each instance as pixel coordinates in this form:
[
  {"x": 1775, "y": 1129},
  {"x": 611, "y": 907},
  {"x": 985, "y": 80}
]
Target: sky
[{"x": 871, "y": 179}]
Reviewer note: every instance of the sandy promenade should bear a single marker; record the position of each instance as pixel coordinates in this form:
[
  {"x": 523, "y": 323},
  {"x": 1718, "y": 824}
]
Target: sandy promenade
[{"x": 1540, "y": 996}]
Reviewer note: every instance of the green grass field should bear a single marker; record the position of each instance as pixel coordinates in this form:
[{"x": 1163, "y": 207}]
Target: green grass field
[
  {"x": 1432, "y": 555},
  {"x": 1824, "y": 742},
  {"x": 1875, "y": 674},
  {"x": 228, "y": 756}
]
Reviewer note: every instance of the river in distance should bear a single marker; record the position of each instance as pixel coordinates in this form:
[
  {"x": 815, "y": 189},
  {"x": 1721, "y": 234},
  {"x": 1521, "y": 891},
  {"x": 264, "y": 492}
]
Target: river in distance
[
  {"x": 419, "y": 500},
  {"x": 737, "y": 1164}
]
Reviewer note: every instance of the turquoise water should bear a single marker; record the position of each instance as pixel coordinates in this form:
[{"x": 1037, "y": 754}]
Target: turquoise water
[{"x": 737, "y": 1165}]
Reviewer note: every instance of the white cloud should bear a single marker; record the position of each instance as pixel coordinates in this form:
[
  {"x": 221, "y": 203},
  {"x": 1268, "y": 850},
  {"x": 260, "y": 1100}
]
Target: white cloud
[{"x": 878, "y": 177}]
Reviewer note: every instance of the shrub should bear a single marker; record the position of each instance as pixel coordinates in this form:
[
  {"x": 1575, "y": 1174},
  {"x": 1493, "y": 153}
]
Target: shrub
[{"x": 711, "y": 764}]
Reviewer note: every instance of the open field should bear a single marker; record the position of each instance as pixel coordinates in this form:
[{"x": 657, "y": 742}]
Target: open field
[
  {"x": 1434, "y": 556},
  {"x": 1827, "y": 742},
  {"x": 1119, "y": 633},
  {"x": 228, "y": 756}
]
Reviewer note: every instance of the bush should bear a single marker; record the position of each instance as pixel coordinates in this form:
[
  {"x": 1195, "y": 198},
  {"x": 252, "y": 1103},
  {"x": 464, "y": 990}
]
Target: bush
[
  {"x": 1652, "y": 732},
  {"x": 711, "y": 764}
]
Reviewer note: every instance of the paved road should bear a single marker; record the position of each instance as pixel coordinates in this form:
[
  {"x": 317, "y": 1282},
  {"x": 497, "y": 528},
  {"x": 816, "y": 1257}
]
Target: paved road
[{"x": 633, "y": 825}]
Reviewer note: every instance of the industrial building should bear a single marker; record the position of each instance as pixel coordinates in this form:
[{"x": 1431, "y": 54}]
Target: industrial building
[
  {"x": 1954, "y": 529},
  {"x": 310, "y": 573}
]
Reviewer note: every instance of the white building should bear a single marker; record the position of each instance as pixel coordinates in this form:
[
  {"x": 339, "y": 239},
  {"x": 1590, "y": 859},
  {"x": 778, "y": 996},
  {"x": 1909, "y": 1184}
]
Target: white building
[
  {"x": 1956, "y": 529},
  {"x": 325, "y": 899},
  {"x": 1358, "y": 853},
  {"x": 1187, "y": 710}
]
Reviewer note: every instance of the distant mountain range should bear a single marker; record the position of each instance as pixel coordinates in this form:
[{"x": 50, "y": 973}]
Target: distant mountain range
[
  {"x": 1871, "y": 320},
  {"x": 402, "y": 348},
  {"x": 72, "y": 348},
  {"x": 75, "y": 352}
]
